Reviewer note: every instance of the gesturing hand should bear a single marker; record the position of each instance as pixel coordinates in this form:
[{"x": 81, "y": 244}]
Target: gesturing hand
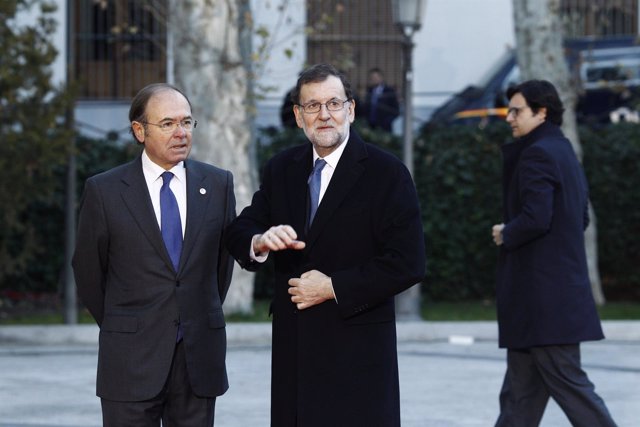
[{"x": 277, "y": 238}]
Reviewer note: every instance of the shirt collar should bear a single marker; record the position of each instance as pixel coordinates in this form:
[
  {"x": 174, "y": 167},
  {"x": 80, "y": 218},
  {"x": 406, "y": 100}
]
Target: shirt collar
[
  {"x": 333, "y": 158},
  {"x": 154, "y": 170}
]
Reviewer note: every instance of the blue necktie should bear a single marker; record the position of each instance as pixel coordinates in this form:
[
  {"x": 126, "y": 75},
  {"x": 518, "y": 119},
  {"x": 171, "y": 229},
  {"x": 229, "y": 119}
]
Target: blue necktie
[
  {"x": 314, "y": 187},
  {"x": 170, "y": 224}
]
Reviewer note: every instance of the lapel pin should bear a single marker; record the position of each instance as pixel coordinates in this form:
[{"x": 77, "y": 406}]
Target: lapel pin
[{"x": 203, "y": 191}]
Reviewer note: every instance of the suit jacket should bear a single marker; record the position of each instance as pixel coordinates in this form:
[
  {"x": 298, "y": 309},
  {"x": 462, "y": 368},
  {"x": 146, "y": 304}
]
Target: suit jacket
[
  {"x": 126, "y": 280},
  {"x": 335, "y": 364},
  {"x": 386, "y": 109},
  {"x": 543, "y": 293}
]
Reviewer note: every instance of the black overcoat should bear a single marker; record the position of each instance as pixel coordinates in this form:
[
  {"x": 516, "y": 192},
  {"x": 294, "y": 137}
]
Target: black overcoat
[{"x": 335, "y": 364}]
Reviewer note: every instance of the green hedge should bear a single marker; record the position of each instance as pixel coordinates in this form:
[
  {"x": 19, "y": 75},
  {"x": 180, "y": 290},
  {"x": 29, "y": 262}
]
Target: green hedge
[
  {"x": 611, "y": 161},
  {"x": 458, "y": 177},
  {"x": 43, "y": 271}
]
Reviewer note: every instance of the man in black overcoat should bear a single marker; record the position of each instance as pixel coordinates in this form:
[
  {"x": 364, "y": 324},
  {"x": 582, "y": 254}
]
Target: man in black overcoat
[{"x": 337, "y": 268}]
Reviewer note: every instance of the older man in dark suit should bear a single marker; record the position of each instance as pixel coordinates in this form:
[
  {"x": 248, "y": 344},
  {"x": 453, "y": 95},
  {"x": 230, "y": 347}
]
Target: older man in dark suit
[
  {"x": 151, "y": 269},
  {"x": 545, "y": 305},
  {"x": 346, "y": 236}
]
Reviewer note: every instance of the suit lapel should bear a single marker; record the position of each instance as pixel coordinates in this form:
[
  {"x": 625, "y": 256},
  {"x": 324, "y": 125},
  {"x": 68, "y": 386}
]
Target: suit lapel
[
  {"x": 135, "y": 195},
  {"x": 199, "y": 192},
  {"x": 345, "y": 176},
  {"x": 297, "y": 174}
]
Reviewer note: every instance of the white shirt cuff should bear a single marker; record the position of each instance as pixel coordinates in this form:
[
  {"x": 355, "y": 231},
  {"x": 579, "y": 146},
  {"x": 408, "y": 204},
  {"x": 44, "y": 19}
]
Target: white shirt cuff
[{"x": 257, "y": 258}]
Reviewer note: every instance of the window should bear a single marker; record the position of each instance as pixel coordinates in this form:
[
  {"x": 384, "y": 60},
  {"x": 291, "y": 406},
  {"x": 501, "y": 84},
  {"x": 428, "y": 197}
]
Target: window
[
  {"x": 120, "y": 46},
  {"x": 356, "y": 36},
  {"x": 600, "y": 18}
]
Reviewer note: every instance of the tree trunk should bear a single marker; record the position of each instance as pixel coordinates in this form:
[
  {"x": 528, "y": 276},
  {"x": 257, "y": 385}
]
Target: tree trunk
[
  {"x": 210, "y": 68},
  {"x": 540, "y": 55}
]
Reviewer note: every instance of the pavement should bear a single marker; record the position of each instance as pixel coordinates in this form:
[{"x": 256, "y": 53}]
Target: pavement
[{"x": 450, "y": 375}]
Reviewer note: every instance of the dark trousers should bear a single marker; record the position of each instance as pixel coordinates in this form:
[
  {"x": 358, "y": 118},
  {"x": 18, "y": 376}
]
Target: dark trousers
[
  {"x": 175, "y": 406},
  {"x": 535, "y": 374}
]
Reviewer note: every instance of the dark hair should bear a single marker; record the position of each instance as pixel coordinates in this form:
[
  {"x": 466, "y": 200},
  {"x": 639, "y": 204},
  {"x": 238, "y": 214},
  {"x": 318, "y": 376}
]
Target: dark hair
[
  {"x": 540, "y": 94},
  {"x": 316, "y": 74},
  {"x": 376, "y": 70},
  {"x": 138, "y": 109}
]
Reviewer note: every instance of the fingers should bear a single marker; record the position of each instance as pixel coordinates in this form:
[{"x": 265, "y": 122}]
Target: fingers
[
  {"x": 296, "y": 293},
  {"x": 278, "y": 238},
  {"x": 311, "y": 288},
  {"x": 496, "y": 232}
]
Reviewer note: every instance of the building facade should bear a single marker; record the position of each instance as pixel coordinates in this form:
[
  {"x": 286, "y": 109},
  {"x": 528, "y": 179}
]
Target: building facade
[{"x": 111, "y": 48}]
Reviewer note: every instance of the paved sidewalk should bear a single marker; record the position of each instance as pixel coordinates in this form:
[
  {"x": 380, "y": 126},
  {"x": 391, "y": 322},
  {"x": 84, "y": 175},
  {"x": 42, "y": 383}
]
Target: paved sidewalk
[
  {"x": 260, "y": 333},
  {"x": 450, "y": 375}
]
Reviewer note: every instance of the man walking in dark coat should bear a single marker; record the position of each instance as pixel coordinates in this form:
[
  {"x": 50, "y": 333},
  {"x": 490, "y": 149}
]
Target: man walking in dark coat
[
  {"x": 346, "y": 236},
  {"x": 545, "y": 305}
]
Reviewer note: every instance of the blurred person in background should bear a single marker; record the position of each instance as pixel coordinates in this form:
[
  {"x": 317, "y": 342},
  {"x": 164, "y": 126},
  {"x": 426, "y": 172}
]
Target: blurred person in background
[{"x": 381, "y": 103}]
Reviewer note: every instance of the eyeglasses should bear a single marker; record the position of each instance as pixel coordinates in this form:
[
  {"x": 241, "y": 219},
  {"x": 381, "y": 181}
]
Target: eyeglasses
[
  {"x": 169, "y": 126},
  {"x": 516, "y": 110},
  {"x": 332, "y": 105}
]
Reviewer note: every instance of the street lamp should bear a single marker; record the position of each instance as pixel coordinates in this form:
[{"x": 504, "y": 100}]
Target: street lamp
[{"x": 407, "y": 15}]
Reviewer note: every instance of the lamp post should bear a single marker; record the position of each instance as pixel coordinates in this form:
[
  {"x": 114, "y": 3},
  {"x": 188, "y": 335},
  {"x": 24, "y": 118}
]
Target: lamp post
[{"x": 407, "y": 15}]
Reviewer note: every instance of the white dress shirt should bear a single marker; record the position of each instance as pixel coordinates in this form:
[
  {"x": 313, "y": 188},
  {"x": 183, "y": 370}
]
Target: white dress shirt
[
  {"x": 332, "y": 163},
  {"x": 153, "y": 176}
]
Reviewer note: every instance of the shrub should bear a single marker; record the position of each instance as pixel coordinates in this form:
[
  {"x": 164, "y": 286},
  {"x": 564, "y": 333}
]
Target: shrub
[
  {"x": 458, "y": 178},
  {"x": 42, "y": 273},
  {"x": 611, "y": 159}
]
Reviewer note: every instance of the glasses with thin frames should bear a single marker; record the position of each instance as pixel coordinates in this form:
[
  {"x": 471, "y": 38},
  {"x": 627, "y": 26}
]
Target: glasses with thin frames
[
  {"x": 332, "y": 105},
  {"x": 516, "y": 110},
  {"x": 170, "y": 126}
]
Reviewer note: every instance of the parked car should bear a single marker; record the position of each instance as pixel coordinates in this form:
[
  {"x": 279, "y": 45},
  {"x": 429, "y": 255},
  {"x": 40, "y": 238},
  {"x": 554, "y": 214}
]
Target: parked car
[{"x": 606, "y": 70}]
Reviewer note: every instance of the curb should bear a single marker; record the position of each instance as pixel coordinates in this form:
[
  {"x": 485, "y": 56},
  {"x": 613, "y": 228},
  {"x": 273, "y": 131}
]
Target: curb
[{"x": 260, "y": 333}]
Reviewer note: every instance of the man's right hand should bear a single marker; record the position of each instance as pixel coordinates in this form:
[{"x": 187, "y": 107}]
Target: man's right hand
[{"x": 277, "y": 238}]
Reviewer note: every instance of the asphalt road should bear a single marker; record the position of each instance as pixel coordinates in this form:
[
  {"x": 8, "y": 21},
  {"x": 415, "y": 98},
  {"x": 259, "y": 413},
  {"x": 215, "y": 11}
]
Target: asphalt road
[{"x": 442, "y": 384}]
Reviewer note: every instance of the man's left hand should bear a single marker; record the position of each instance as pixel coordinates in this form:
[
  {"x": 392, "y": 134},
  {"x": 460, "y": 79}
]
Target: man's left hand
[{"x": 312, "y": 288}]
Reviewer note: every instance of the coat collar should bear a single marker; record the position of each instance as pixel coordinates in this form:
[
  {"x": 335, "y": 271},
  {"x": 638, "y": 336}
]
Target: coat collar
[
  {"x": 545, "y": 130},
  {"x": 511, "y": 151},
  {"x": 347, "y": 173}
]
